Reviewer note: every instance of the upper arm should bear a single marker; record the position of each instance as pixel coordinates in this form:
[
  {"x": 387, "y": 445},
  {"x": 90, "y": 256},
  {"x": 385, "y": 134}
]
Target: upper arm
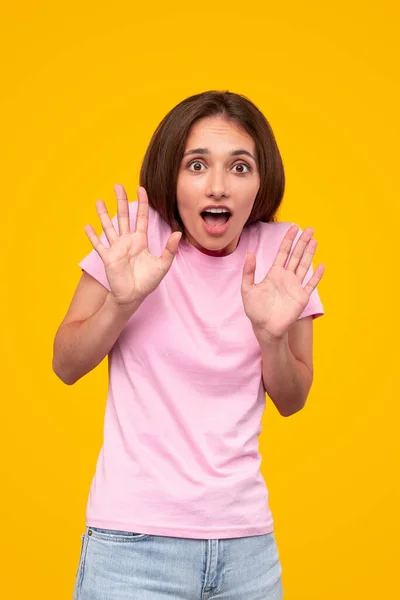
[
  {"x": 88, "y": 297},
  {"x": 301, "y": 341}
]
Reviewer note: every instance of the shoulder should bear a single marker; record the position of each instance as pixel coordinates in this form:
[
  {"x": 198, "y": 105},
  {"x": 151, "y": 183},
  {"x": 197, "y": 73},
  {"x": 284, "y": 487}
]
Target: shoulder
[
  {"x": 270, "y": 232},
  {"x": 276, "y": 227},
  {"x": 276, "y": 231}
]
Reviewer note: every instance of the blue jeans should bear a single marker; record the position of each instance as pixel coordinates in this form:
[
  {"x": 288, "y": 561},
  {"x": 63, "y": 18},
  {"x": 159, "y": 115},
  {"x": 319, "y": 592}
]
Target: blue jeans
[{"x": 119, "y": 565}]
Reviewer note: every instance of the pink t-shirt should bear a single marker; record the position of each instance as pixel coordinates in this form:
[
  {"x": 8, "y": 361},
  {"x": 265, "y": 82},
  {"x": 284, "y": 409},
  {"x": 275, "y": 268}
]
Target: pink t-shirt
[{"x": 185, "y": 398}]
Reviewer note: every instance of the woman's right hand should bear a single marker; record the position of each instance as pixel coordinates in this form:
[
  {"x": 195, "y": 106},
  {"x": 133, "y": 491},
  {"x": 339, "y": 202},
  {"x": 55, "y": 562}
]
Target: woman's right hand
[{"x": 132, "y": 271}]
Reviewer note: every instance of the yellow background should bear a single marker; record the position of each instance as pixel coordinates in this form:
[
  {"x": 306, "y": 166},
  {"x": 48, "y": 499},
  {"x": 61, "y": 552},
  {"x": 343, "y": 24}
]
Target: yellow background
[{"x": 84, "y": 86}]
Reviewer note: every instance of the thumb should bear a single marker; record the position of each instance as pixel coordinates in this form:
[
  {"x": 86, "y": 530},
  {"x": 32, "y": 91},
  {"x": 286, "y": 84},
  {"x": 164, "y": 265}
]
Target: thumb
[
  {"x": 171, "y": 249},
  {"x": 249, "y": 270}
]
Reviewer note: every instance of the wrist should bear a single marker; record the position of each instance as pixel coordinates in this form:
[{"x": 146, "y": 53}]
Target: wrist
[
  {"x": 122, "y": 310},
  {"x": 267, "y": 339}
]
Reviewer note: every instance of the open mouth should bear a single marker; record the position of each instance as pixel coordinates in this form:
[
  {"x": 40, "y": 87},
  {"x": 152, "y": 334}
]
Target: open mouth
[
  {"x": 216, "y": 222},
  {"x": 215, "y": 219}
]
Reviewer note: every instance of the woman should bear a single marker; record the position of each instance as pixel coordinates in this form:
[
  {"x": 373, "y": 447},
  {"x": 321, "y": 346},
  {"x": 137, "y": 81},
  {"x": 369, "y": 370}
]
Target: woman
[{"x": 203, "y": 302}]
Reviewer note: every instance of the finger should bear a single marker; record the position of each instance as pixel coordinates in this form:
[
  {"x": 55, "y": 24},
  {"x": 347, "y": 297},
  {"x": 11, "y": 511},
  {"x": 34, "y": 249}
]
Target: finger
[
  {"x": 284, "y": 248},
  {"x": 122, "y": 208},
  {"x": 170, "y": 249},
  {"x": 306, "y": 259},
  {"x": 106, "y": 222},
  {"x": 142, "y": 215},
  {"x": 315, "y": 279},
  {"x": 299, "y": 249},
  {"x": 95, "y": 241},
  {"x": 249, "y": 268}
]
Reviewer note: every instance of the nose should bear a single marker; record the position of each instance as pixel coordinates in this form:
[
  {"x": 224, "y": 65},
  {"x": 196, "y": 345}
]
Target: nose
[{"x": 217, "y": 184}]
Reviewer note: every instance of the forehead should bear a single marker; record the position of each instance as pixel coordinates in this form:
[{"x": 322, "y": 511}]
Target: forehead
[{"x": 218, "y": 130}]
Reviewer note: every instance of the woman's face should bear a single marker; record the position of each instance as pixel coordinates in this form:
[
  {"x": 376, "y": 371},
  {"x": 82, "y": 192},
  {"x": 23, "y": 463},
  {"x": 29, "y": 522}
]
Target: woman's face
[{"x": 210, "y": 174}]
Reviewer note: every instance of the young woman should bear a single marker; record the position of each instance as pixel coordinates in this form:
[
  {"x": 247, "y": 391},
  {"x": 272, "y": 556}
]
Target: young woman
[{"x": 204, "y": 303}]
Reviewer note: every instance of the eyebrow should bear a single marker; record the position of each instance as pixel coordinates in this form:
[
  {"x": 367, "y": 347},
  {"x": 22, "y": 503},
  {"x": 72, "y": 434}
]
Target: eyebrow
[{"x": 232, "y": 152}]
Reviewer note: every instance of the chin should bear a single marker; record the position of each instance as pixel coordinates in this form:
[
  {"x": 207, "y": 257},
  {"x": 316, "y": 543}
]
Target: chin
[{"x": 217, "y": 247}]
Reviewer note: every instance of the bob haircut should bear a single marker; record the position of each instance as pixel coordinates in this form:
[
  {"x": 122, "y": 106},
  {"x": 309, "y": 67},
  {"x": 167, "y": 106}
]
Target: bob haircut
[{"x": 161, "y": 163}]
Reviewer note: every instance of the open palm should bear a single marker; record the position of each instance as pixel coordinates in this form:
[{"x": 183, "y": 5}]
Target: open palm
[
  {"x": 279, "y": 299},
  {"x": 132, "y": 271}
]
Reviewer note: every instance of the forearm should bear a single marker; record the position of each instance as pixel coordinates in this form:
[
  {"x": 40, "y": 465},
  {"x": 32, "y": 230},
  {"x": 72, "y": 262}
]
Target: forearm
[
  {"x": 287, "y": 380},
  {"x": 81, "y": 345}
]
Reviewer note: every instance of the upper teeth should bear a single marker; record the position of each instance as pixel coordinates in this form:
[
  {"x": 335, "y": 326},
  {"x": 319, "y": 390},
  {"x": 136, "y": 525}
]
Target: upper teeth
[{"x": 216, "y": 210}]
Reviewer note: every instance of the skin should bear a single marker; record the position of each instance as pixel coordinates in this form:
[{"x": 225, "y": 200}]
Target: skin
[{"x": 217, "y": 178}]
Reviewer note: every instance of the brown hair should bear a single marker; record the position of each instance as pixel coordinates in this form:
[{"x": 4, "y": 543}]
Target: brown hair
[{"x": 161, "y": 163}]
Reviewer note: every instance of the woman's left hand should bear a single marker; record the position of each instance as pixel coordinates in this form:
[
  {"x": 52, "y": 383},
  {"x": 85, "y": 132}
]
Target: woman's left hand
[{"x": 276, "y": 302}]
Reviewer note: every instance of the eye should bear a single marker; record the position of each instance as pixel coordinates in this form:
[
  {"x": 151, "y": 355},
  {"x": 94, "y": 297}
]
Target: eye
[
  {"x": 242, "y": 165},
  {"x": 195, "y": 162}
]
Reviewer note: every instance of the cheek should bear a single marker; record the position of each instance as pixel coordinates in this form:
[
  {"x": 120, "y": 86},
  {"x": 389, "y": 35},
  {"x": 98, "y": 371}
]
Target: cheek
[
  {"x": 247, "y": 206},
  {"x": 186, "y": 193},
  {"x": 183, "y": 204}
]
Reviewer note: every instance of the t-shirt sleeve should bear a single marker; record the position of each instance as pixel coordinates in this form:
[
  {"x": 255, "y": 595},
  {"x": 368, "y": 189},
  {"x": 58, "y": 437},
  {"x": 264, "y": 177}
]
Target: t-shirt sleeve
[
  {"x": 314, "y": 307},
  {"x": 92, "y": 263}
]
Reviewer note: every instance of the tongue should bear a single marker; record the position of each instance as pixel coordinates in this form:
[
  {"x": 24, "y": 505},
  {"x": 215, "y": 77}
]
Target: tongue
[{"x": 215, "y": 218}]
